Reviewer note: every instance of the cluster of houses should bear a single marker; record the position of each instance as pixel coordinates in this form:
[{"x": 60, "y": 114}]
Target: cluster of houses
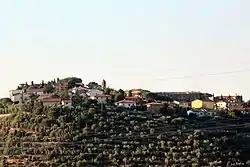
[
  {"x": 192, "y": 100},
  {"x": 48, "y": 99},
  {"x": 205, "y": 104},
  {"x": 231, "y": 102},
  {"x": 198, "y": 100},
  {"x": 26, "y": 92}
]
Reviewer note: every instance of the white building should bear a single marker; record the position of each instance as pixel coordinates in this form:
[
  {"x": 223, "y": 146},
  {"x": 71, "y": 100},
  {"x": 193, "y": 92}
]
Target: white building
[
  {"x": 93, "y": 92},
  {"x": 202, "y": 113},
  {"x": 211, "y": 113},
  {"x": 15, "y": 95},
  {"x": 81, "y": 90},
  {"x": 101, "y": 98},
  {"x": 176, "y": 102},
  {"x": 221, "y": 105},
  {"x": 67, "y": 103},
  {"x": 197, "y": 113},
  {"x": 126, "y": 103},
  {"x": 23, "y": 95},
  {"x": 18, "y": 96}
]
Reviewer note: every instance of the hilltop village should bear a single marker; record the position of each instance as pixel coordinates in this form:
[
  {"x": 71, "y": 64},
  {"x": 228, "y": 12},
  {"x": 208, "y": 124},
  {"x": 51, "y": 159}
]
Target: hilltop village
[
  {"x": 71, "y": 92},
  {"x": 65, "y": 122}
]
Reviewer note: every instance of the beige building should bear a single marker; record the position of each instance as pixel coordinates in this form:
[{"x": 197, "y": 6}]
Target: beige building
[
  {"x": 36, "y": 91},
  {"x": 205, "y": 104},
  {"x": 154, "y": 107},
  {"x": 48, "y": 102},
  {"x": 101, "y": 98}
]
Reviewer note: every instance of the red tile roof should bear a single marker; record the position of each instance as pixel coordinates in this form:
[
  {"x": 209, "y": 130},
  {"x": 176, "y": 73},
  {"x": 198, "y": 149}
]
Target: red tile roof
[
  {"x": 51, "y": 100},
  {"x": 67, "y": 101},
  {"x": 126, "y": 101}
]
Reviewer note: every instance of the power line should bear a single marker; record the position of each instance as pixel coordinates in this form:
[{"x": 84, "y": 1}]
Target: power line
[{"x": 205, "y": 75}]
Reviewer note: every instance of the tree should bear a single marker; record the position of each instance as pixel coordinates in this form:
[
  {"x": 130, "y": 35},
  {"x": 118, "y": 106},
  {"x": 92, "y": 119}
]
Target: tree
[
  {"x": 19, "y": 88},
  {"x": 72, "y": 82},
  {"x": 64, "y": 94},
  {"x": 144, "y": 93},
  {"x": 130, "y": 93},
  {"x": 6, "y": 101},
  {"x": 38, "y": 107},
  {"x": 231, "y": 114},
  {"x": 158, "y": 97},
  {"x": 49, "y": 88},
  {"x": 34, "y": 96},
  {"x": 42, "y": 83},
  {"x": 55, "y": 95},
  {"x": 247, "y": 104},
  {"x": 164, "y": 109},
  {"x": 93, "y": 85},
  {"x": 141, "y": 108},
  {"x": 80, "y": 164},
  {"x": 107, "y": 91},
  {"x": 104, "y": 84},
  {"x": 76, "y": 99},
  {"x": 120, "y": 95},
  {"x": 91, "y": 111},
  {"x": 27, "y": 107},
  {"x": 120, "y": 91}
]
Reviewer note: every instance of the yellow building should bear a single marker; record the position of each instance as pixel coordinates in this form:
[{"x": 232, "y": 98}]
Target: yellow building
[
  {"x": 134, "y": 92},
  {"x": 205, "y": 104}
]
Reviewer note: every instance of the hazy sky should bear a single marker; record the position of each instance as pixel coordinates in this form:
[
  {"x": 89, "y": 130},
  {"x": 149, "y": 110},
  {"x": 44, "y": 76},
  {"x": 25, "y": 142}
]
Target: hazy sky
[{"x": 130, "y": 43}]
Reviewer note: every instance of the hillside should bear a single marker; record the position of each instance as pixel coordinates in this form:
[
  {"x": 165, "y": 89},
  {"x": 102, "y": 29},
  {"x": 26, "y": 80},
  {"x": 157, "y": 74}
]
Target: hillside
[{"x": 60, "y": 137}]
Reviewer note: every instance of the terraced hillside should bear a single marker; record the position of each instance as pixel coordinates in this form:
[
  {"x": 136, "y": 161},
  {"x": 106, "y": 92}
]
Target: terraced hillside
[{"x": 35, "y": 136}]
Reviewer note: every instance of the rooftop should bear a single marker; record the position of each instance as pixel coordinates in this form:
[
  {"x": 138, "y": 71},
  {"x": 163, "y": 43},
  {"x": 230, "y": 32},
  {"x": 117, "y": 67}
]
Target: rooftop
[
  {"x": 51, "y": 100},
  {"x": 126, "y": 101},
  {"x": 101, "y": 95}
]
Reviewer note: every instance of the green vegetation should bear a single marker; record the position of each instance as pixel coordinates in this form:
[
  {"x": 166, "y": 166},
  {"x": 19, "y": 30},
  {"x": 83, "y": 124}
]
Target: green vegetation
[
  {"x": 49, "y": 88},
  {"x": 72, "y": 82},
  {"x": 32, "y": 135},
  {"x": 93, "y": 85}
]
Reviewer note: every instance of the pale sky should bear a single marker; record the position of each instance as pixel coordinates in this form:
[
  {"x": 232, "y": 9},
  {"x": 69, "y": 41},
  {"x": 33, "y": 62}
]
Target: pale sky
[{"x": 131, "y": 43}]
